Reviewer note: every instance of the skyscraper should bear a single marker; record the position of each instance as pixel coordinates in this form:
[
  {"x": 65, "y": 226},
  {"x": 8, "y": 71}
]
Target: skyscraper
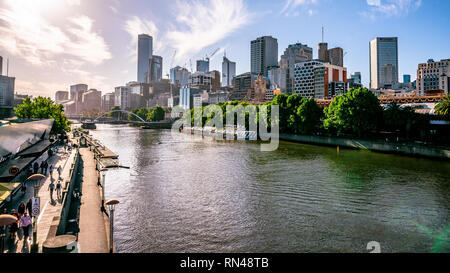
[
  {"x": 295, "y": 53},
  {"x": 383, "y": 62},
  {"x": 156, "y": 68},
  {"x": 264, "y": 54},
  {"x": 228, "y": 71},
  {"x": 336, "y": 56},
  {"x": 145, "y": 53},
  {"x": 202, "y": 66}
]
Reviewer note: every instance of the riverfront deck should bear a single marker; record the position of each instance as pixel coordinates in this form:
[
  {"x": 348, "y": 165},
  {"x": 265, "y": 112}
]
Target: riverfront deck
[{"x": 94, "y": 225}]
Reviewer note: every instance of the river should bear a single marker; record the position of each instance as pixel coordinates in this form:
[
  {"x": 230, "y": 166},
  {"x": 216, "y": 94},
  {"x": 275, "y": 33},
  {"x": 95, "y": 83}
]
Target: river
[{"x": 187, "y": 194}]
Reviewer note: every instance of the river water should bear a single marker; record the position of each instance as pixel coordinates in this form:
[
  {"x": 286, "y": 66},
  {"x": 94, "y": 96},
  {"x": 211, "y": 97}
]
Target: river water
[{"x": 187, "y": 194}]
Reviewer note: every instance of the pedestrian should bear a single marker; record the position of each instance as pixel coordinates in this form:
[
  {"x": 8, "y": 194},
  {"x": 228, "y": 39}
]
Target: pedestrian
[
  {"x": 45, "y": 167},
  {"x": 59, "y": 171},
  {"x": 35, "y": 167},
  {"x": 25, "y": 223},
  {"x": 51, "y": 170},
  {"x": 2, "y": 233},
  {"x": 21, "y": 209},
  {"x": 42, "y": 167},
  {"x": 30, "y": 206},
  {"x": 14, "y": 226},
  {"x": 51, "y": 187},
  {"x": 58, "y": 189},
  {"x": 30, "y": 171}
]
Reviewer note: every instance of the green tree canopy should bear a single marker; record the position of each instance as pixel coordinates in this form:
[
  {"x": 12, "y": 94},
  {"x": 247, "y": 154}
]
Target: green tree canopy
[
  {"x": 156, "y": 114},
  {"x": 44, "y": 108},
  {"x": 140, "y": 112},
  {"x": 443, "y": 107},
  {"x": 357, "y": 111}
]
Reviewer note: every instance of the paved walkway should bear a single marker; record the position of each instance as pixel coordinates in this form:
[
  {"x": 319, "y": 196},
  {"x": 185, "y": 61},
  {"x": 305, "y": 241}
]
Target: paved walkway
[
  {"x": 49, "y": 208},
  {"x": 93, "y": 235}
]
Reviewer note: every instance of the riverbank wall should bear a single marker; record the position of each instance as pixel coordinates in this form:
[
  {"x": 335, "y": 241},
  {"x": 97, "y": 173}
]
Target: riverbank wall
[{"x": 409, "y": 149}]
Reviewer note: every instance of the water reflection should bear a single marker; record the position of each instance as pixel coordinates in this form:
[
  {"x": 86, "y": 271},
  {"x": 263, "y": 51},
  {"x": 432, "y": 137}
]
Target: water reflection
[{"x": 185, "y": 194}]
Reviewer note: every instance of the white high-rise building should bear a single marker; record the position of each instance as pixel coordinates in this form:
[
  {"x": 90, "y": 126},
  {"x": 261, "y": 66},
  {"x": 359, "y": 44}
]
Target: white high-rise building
[
  {"x": 145, "y": 53},
  {"x": 383, "y": 62},
  {"x": 228, "y": 72}
]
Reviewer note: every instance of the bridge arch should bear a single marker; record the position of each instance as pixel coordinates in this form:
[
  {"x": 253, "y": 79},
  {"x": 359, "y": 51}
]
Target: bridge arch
[{"x": 123, "y": 111}]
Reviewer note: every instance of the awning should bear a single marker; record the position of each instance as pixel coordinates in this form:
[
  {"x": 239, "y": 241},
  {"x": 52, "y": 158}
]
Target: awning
[
  {"x": 6, "y": 189},
  {"x": 20, "y": 163},
  {"x": 36, "y": 149}
]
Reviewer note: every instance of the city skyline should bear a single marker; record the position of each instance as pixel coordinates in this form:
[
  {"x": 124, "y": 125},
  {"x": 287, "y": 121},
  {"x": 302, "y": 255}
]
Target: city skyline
[{"x": 88, "y": 43}]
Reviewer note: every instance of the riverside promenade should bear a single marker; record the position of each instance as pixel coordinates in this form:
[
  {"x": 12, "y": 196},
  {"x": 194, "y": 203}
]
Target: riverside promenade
[
  {"x": 94, "y": 225},
  {"x": 49, "y": 208}
]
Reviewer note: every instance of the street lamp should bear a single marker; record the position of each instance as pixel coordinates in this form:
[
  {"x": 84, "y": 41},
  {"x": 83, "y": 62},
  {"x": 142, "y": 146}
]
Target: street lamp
[
  {"x": 35, "y": 178},
  {"x": 103, "y": 188},
  {"x": 111, "y": 206},
  {"x": 5, "y": 220}
]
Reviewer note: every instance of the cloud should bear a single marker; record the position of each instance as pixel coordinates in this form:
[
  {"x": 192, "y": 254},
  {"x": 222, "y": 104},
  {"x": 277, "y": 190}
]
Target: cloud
[
  {"x": 27, "y": 34},
  {"x": 290, "y": 7},
  {"x": 196, "y": 25},
  {"x": 136, "y": 26},
  {"x": 390, "y": 8}
]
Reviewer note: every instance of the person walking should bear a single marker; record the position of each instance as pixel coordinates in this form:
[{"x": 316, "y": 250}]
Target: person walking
[
  {"x": 58, "y": 189},
  {"x": 45, "y": 167},
  {"x": 35, "y": 167},
  {"x": 21, "y": 209},
  {"x": 14, "y": 226},
  {"x": 51, "y": 170},
  {"x": 25, "y": 224},
  {"x": 23, "y": 189},
  {"x": 51, "y": 187},
  {"x": 2, "y": 233},
  {"x": 30, "y": 206},
  {"x": 59, "y": 171},
  {"x": 42, "y": 167}
]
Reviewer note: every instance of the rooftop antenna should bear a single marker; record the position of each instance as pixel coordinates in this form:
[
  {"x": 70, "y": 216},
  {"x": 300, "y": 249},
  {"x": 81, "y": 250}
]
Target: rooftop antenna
[
  {"x": 7, "y": 67},
  {"x": 323, "y": 35}
]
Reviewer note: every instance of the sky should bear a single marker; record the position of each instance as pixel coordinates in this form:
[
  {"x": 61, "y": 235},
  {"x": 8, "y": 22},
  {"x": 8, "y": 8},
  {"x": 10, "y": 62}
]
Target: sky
[{"x": 52, "y": 44}]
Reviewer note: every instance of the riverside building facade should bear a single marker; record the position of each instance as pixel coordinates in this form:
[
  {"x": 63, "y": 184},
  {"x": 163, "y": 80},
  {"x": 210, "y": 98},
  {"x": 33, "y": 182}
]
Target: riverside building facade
[{"x": 433, "y": 76}]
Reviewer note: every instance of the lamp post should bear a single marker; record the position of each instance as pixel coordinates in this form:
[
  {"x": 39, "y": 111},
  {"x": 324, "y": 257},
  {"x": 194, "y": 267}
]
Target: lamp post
[
  {"x": 111, "y": 206},
  {"x": 103, "y": 170},
  {"x": 35, "y": 178},
  {"x": 5, "y": 220}
]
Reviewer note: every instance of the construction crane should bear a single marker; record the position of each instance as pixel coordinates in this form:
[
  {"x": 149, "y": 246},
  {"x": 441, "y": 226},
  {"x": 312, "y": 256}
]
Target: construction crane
[
  {"x": 190, "y": 64},
  {"x": 212, "y": 55}
]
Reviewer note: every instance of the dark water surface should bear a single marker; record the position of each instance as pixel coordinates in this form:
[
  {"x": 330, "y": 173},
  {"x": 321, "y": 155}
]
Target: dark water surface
[{"x": 185, "y": 194}]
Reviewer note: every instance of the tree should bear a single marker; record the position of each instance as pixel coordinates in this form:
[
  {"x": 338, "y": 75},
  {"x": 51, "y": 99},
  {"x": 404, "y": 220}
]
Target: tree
[
  {"x": 156, "y": 114},
  {"x": 398, "y": 119},
  {"x": 44, "y": 108},
  {"x": 357, "y": 111},
  {"x": 443, "y": 107},
  {"x": 115, "y": 115},
  {"x": 309, "y": 115},
  {"x": 140, "y": 112}
]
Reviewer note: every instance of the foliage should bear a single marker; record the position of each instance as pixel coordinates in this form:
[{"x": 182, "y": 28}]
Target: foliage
[
  {"x": 156, "y": 114},
  {"x": 140, "y": 112},
  {"x": 443, "y": 107},
  {"x": 398, "y": 119},
  {"x": 44, "y": 108},
  {"x": 357, "y": 111},
  {"x": 115, "y": 115}
]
